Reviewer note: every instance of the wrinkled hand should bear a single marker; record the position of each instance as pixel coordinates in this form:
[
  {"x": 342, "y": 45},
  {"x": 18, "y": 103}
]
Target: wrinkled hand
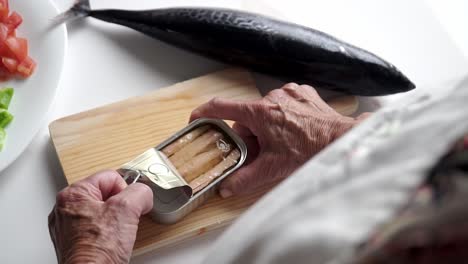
[
  {"x": 282, "y": 131},
  {"x": 95, "y": 220}
]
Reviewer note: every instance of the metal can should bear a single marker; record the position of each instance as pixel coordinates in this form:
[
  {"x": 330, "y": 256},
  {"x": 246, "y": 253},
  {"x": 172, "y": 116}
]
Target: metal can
[{"x": 166, "y": 167}]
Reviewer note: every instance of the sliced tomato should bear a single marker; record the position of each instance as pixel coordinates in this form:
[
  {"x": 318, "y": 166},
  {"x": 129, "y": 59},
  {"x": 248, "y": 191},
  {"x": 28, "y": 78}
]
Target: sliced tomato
[
  {"x": 4, "y": 74},
  {"x": 18, "y": 46},
  {"x": 5, "y": 3},
  {"x": 3, "y": 36},
  {"x": 26, "y": 67},
  {"x": 3, "y": 32},
  {"x": 13, "y": 21},
  {"x": 5, "y": 52},
  {"x": 14, "y": 58},
  {"x": 4, "y": 10},
  {"x": 10, "y": 64},
  {"x": 2, "y": 66}
]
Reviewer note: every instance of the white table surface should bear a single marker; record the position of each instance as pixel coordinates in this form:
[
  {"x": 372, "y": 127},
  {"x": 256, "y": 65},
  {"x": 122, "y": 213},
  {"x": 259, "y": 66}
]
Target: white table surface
[{"x": 106, "y": 63}]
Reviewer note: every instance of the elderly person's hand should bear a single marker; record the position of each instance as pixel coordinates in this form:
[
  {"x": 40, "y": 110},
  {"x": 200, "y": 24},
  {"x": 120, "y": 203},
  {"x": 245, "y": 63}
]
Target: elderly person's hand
[
  {"x": 282, "y": 131},
  {"x": 95, "y": 220}
]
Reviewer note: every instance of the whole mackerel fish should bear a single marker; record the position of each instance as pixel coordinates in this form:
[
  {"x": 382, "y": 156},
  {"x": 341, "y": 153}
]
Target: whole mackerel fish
[{"x": 288, "y": 51}]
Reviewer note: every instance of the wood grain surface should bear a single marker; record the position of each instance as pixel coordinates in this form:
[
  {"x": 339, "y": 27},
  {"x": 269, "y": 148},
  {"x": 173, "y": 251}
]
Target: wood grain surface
[{"x": 108, "y": 136}]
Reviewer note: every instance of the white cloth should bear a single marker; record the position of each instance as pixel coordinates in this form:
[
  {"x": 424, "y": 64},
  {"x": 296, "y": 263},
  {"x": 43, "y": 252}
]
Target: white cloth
[{"x": 321, "y": 212}]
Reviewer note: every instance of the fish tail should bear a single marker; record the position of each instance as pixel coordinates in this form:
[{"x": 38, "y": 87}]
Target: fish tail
[{"x": 80, "y": 9}]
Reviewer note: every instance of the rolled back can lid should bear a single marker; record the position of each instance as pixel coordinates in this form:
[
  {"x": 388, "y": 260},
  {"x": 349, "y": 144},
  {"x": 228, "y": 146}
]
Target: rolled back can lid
[{"x": 170, "y": 190}]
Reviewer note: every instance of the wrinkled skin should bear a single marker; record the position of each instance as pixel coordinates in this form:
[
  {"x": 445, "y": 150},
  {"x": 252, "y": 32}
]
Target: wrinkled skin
[
  {"x": 282, "y": 131},
  {"x": 95, "y": 220}
]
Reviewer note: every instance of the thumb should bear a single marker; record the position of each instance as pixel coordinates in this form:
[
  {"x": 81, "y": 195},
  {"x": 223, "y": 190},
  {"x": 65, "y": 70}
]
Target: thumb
[
  {"x": 136, "y": 198},
  {"x": 243, "y": 180},
  {"x": 363, "y": 117}
]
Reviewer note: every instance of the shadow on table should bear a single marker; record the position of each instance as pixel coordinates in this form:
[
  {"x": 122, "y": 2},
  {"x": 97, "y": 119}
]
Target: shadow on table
[
  {"x": 45, "y": 151},
  {"x": 172, "y": 62},
  {"x": 57, "y": 178},
  {"x": 178, "y": 64}
]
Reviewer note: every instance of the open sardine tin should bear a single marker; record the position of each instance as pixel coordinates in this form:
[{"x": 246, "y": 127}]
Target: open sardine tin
[{"x": 165, "y": 172}]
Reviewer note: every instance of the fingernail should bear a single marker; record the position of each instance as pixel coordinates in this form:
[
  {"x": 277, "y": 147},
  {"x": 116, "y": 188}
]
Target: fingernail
[
  {"x": 291, "y": 86},
  {"x": 225, "y": 193},
  {"x": 196, "y": 112},
  {"x": 193, "y": 116}
]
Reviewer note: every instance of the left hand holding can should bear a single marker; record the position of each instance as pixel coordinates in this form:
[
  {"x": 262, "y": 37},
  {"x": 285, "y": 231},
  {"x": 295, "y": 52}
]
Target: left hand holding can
[{"x": 96, "y": 219}]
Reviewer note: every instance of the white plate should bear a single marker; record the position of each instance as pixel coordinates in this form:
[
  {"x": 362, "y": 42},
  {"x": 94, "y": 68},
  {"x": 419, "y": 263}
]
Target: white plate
[{"x": 34, "y": 96}]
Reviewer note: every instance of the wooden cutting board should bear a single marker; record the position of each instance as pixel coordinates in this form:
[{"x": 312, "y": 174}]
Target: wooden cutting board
[{"x": 108, "y": 136}]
